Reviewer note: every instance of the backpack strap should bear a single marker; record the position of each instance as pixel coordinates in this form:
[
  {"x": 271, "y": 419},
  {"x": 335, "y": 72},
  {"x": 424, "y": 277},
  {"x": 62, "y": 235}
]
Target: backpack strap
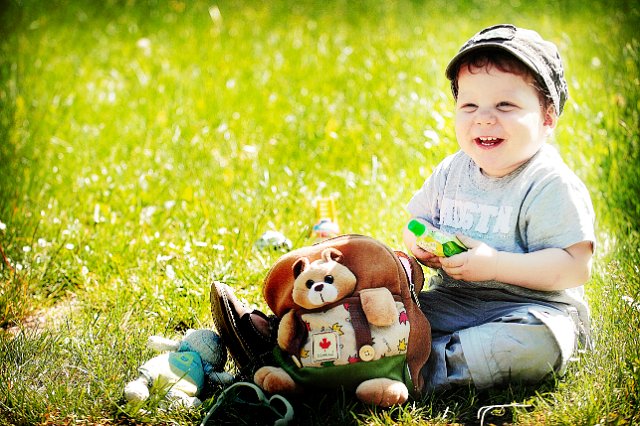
[
  {"x": 360, "y": 324},
  {"x": 406, "y": 264}
]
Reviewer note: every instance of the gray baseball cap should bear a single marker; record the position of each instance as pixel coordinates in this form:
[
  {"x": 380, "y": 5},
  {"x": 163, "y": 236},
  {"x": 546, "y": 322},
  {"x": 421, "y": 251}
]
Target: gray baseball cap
[{"x": 537, "y": 54}]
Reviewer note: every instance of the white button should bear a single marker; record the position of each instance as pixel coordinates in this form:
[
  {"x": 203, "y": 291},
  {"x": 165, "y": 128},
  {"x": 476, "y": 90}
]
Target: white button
[{"x": 366, "y": 353}]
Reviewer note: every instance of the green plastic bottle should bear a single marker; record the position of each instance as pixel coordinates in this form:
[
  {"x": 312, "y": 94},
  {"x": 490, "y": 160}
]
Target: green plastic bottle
[{"x": 435, "y": 241}]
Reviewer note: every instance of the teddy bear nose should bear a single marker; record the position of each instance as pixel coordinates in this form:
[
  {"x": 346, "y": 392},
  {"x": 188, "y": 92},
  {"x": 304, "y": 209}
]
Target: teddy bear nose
[{"x": 318, "y": 287}]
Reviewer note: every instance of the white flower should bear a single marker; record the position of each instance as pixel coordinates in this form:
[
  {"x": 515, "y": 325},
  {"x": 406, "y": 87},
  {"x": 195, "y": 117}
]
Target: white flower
[
  {"x": 96, "y": 213},
  {"x": 631, "y": 302},
  {"x": 3, "y": 226},
  {"x": 171, "y": 273},
  {"x": 165, "y": 258},
  {"x": 146, "y": 213}
]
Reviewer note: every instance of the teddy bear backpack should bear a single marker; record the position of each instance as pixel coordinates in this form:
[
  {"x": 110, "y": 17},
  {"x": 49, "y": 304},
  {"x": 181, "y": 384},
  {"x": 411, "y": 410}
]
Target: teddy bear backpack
[{"x": 350, "y": 318}]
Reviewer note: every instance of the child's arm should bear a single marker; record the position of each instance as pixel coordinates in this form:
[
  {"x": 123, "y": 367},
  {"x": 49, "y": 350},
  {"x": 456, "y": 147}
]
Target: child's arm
[{"x": 546, "y": 270}]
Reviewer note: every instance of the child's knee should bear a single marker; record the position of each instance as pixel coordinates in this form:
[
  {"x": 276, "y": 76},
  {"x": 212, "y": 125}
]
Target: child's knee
[
  {"x": 502, "y": 353},
  {"x": 528, "y": 357}
]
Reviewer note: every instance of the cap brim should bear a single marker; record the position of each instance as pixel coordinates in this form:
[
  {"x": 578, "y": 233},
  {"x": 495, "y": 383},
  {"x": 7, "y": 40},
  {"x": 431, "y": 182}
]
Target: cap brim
[{"x": 452, "y": 68}]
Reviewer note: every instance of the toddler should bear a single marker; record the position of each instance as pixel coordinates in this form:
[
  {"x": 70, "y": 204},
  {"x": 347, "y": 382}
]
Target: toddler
[{"x": 511, "y": 308}]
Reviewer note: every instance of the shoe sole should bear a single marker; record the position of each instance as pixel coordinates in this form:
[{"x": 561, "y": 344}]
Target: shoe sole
[{"x": 226, "y": 324}]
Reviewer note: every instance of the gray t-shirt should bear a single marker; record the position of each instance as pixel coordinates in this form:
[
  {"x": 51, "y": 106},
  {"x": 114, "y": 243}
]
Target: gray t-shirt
[{"x": 542, "y": 204}]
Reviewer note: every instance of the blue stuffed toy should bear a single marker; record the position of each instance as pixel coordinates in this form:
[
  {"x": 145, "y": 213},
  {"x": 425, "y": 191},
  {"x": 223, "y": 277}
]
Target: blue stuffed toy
[{"x": 183, "y": 371}]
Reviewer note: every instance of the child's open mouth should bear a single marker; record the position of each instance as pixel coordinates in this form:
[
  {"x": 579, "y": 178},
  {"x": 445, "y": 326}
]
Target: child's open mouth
[{"x": 488, "y": 142}]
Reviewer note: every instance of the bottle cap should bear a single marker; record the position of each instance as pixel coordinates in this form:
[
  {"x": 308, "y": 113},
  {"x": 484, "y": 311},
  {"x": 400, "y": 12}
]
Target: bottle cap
[{"x": 416, "y": 227}]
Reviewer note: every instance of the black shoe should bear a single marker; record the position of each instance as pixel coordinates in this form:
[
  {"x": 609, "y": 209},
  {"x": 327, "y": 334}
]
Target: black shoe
[{"x": 248, "y": 334}]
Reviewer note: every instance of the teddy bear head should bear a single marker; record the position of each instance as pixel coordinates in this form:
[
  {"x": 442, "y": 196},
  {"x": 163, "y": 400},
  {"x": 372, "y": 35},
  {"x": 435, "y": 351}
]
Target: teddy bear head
[
  {"x": 207, "y": 344},
  {"x": 322, "y": 281},
  {"x": 373, "y": 265}
]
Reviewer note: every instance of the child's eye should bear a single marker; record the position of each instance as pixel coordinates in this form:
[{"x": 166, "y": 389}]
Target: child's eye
[
  {"x": 468, "y": 107},
  {"x": 506, "y": 106}
]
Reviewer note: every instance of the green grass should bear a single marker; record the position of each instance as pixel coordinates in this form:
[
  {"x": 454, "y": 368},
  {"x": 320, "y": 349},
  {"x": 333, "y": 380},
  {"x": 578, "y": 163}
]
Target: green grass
[{"x": 145, "y": 146}]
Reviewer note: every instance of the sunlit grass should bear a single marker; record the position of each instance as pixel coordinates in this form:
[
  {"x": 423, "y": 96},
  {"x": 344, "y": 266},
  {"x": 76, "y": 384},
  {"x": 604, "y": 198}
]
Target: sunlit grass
[{"x": 145, "y": 146}]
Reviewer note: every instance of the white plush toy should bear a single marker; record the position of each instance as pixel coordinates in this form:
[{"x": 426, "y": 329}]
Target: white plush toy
[{"x": 183, "y": 371}]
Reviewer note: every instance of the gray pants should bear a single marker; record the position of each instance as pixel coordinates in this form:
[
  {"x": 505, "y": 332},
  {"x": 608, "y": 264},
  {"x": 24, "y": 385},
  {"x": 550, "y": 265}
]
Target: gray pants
[{"x": 489, "y": 338}]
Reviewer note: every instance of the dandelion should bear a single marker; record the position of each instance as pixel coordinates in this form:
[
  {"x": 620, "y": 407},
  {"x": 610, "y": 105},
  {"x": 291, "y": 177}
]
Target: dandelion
[
  {"x": 170, "y": 272},
  {"x": 69, "y": 246},
  {"x": 3, "y": 226},
  {"x": 26, "y": 249}
]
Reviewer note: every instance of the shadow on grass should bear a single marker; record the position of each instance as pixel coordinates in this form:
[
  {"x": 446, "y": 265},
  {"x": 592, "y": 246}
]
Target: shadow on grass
[
  {"x": 313, "y": 408},
  {"x": 337, "y": 407}
]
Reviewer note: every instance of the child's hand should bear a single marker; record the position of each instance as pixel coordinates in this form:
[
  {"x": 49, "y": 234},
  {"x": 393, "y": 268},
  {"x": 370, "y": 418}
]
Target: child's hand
[
  {"x": 423, "y": 256},
  {"x": 479, "y": 263},
  {"x": 426, "y": 258}
]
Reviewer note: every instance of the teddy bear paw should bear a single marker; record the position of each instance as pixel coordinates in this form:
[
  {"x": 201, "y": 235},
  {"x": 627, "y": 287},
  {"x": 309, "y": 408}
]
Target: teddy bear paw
[
  {"x": 177, "y": 398},
  {"x": 136, "y": 391},
  {"x": 274, "y": 380},
  {"x": 382, "y": 392}
]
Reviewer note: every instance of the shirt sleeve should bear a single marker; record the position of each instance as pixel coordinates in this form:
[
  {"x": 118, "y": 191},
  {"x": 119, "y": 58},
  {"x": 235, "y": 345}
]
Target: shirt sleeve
[
  {"x": 426, "y": 202},
  {"x": 559, "y": 214}
]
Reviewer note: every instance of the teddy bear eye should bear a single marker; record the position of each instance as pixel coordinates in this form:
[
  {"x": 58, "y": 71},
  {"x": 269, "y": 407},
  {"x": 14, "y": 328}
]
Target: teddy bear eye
[
  {"x": 309, "y": 283},
  {"x": 328, "y": 279}
]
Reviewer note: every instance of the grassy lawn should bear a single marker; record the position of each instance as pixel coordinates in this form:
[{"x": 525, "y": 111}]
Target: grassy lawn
[{"x": 146, "y": 145}]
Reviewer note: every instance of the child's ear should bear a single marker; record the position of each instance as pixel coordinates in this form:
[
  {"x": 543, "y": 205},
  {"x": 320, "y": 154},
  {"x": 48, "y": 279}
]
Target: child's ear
[{"x": 550, "y": 117}]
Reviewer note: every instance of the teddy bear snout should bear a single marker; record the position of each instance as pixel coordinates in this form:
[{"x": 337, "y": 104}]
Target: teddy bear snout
[{"x": 321, "y": 293}]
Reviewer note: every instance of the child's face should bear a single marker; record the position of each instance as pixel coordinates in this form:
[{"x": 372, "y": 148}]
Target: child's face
[{"x": 500, "y": 122}]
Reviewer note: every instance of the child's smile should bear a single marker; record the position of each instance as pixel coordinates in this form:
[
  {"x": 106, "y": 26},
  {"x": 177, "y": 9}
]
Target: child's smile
[{"x": 488, "y": 141}]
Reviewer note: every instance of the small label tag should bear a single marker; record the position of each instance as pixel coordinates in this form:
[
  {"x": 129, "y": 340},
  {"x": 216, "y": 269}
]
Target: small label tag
[{"x": 325, "y": 346}]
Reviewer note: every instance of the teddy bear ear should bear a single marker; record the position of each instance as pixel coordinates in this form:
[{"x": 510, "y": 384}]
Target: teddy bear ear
[
  {"x": 332, "y": 253},
  {"x": 299, "y": 266}
]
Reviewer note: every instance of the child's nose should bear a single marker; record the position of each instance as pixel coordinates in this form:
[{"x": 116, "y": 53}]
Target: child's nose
[{"x": 485, "y": 116}]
